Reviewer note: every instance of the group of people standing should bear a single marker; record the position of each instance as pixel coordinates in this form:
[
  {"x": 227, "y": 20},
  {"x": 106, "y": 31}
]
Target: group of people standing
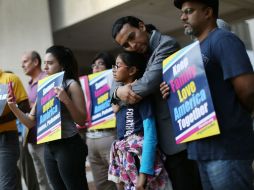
[
  {"x": 65, "y": 158},
  {"x": 141, "y": 153}
]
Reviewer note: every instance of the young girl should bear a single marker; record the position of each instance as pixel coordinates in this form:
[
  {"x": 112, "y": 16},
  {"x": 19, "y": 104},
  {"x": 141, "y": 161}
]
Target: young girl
[
  {"x": 134, "y": 160},
  {"x": 64, "y": 158}
]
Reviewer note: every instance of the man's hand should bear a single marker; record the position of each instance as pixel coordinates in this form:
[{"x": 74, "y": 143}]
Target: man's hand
[
  {"x": 126, "y": 94},
  {"x": 165, "y": 89}
]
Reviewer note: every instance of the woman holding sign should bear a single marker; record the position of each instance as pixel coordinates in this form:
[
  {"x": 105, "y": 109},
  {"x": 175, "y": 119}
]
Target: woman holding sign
[{"x": 65, "y": 157}]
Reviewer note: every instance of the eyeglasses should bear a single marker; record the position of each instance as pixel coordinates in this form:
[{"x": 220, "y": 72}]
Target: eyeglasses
[
  {"x": 116, "y": 67},
  {"x": 187, "y": 11},
  {"x": 100, "y": 64}
]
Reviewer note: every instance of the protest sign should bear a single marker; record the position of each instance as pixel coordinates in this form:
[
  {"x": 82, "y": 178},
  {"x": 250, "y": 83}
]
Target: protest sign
[
  {"x": 86, "y": 90},
  {"x": 3, "y": 97},
  {"x": 97, "y": 94},
  {"x": 190, "y": 102},
  {"x": 48, "y": 109}
]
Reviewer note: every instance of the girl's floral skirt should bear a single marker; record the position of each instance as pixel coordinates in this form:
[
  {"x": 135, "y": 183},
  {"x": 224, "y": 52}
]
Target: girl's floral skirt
[{"x": 125, "y": 156}]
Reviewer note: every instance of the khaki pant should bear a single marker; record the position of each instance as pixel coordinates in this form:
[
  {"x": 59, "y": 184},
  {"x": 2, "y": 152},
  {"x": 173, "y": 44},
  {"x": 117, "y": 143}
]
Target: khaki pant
[{"x": 98, "y": 155}]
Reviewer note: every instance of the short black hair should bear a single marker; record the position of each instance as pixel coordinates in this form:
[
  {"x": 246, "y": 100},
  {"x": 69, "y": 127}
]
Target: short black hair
[
  {"x": 131, "y": 20},
  {"x": 214, "y": 4},
  {"x": 134, "y": 59},
  {"x": 108, "y": 59}
]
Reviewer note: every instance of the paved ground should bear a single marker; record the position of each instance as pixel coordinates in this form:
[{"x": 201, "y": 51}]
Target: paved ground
[{"x": 91, "y": 186}]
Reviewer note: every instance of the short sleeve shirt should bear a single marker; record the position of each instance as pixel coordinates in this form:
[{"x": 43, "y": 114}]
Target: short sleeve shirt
[
  {"x": 224, "y": 58},
  {"x": 32, "y": 88},
  {"x": 20, "y": 94},
  {"x": 32, "y": 95},
  {"x": 129, "y": 119}
]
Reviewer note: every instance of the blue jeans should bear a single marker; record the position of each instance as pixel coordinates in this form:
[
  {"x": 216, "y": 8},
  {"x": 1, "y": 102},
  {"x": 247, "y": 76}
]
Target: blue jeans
[
  {"x": 9, "y": 155},
  {"x": 65, "y": 163},
  {"x": 226, "y": 174}
]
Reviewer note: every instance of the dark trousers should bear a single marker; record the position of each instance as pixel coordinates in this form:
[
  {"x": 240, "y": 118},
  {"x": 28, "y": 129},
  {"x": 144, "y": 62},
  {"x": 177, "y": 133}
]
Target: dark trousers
[
  {"x": 65, "y": 163},
  {"x": 27, "y": 169},
  {"x": 9, "y": 155},
  {"x": 183, "y": 173}
]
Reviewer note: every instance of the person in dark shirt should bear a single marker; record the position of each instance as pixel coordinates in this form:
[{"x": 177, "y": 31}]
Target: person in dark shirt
[{"x": 224, "y": 160}]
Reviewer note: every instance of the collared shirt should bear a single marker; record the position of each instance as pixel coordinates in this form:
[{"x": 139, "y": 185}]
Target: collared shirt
[
  {"x": 32, "y": 88},
  {"x": 32, "y": 95}
]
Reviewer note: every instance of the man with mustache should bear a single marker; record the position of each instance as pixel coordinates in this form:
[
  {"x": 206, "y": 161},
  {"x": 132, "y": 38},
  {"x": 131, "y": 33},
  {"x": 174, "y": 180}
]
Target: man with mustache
[{"x": 224, "y": 160}]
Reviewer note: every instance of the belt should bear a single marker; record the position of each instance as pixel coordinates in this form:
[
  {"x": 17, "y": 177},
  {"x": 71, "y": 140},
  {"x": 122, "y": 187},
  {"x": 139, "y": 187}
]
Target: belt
[
  {"x": 100, "y": 130},
  {"x": 98, "y": 133}
]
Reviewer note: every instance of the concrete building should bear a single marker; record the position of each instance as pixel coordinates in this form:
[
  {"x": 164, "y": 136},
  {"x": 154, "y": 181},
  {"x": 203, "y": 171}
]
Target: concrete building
[{"x": 85, "y": 25}]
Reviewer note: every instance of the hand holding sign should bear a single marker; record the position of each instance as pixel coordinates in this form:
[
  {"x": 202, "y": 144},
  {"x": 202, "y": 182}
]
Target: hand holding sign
[
  {"x": 11, "y": 100},
  {"x": 10, "y": 91},
  {"x": 61, "y": 94},
  {"x": 165, "y": 90}
]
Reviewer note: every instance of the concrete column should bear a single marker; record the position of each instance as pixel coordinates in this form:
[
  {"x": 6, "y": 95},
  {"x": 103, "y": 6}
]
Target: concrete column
[
  {"x": 24, "y": 25},
  {"x": 251, "y": 28},
  {"x": 251, "y": 51}
]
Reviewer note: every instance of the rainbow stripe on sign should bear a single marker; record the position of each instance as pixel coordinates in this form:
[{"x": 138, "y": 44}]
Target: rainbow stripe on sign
[
  {"x": 48, "y": 115},
  {"x": 101, "y": 115},
  {"x": 200, "y": 130},
  {"x": 169, "y": 61}
]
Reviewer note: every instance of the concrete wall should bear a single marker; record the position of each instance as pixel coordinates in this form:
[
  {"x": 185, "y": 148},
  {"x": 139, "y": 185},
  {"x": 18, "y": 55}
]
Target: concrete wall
[
  {"x": 251, "y": 51},
  {"x": 25, "y": 25},
  {"x": 84, "y": 59},
  {"x": 251, "y": 28}
]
